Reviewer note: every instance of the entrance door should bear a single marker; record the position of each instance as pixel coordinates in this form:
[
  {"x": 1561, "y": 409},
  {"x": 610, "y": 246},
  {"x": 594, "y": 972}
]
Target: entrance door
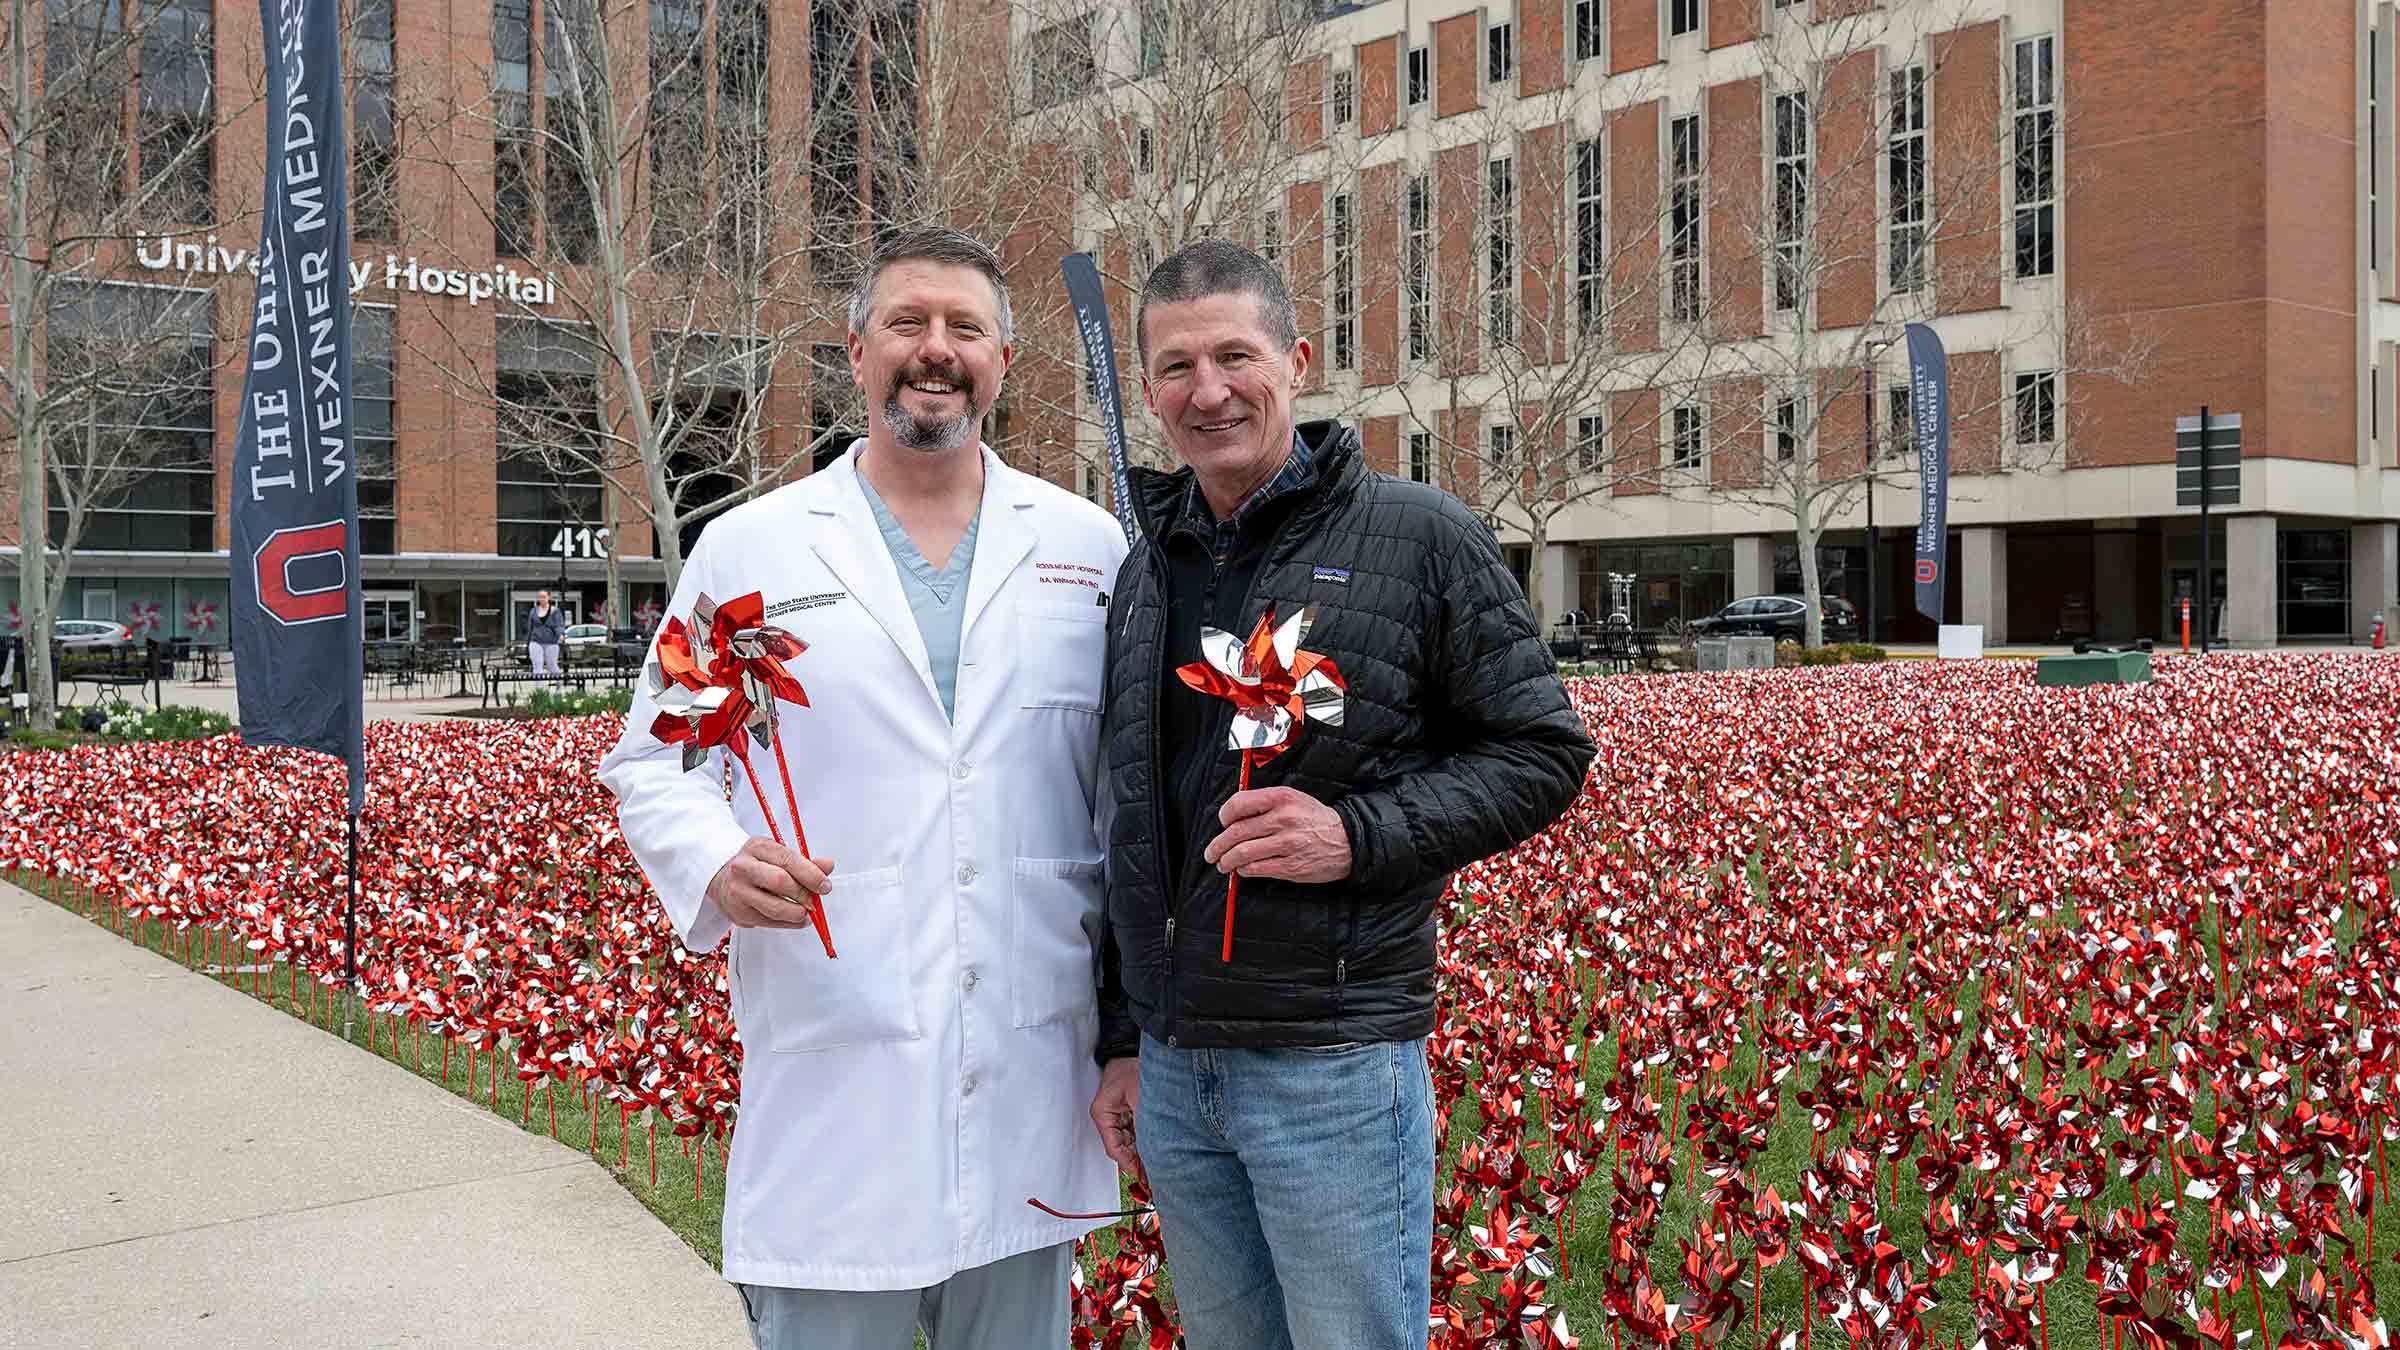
[
  {"x": 100, "y": 603},
  {"x": 2183, "y": 583},
  {"x": 520, "y": 607},
  {"x": 388, "y": 617}
]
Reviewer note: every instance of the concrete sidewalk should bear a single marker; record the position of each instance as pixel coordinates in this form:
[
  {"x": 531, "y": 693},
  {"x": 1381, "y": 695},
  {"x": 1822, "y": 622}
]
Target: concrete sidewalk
[{"x": 191, "y": 1168}]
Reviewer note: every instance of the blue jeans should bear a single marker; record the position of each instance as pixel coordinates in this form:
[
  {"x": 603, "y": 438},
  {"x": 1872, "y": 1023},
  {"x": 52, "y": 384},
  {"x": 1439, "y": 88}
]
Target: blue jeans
[{"x": 1295, "y": 1192}]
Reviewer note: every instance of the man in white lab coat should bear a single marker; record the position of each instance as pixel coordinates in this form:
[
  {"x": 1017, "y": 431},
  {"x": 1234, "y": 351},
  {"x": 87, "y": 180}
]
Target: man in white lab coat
[{"x": 901, "y": 1101}]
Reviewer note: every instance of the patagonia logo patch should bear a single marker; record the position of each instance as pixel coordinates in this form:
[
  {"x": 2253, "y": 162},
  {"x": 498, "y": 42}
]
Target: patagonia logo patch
[{"x": 1339, "y": 576}]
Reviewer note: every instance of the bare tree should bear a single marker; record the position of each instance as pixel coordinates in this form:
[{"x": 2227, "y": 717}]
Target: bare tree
[
  {"x": 651, "y": 156},
  {"x": 1861, "y": 225},
  {"x": 1543, "y": 330},
  {"x": 90, "y": 369},
  {"x": 1173, "y": 121}
]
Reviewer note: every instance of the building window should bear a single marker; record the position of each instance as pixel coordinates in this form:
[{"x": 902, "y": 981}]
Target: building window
[
  {"x": 1591, "y": 441},
  {"x": 1683, "y": 219},
  {"x": 1683, "y": 16},
  {"x": 1420, "y": 75},
  {"x": 1145, "y": 151},
  {"x": 375, "y": 163},
  {"x": 547, "y": 436},
  {"x": 2037, "y": 160},
  {"x": 1499, "y": 54},
  {"x": 1502, "y": 437},
  {"x": 1899, "y": 423},
  {"x": 1270, "y": 236},
  {"x": 1417, "y": 267},
  {"x": 2313, "y": 592},
  {"x": 177, "y": 111},
  {"x": 1420, "y": 457},
  {"x": 677, "y": 125},
  {"x": 1345, "y": 284},
  {"x": 371, "y": 391},
  {"x": 1791, "y": 198},
  {"x": 1591, "y": 234},
  {"x": 1345, "y": 97},
  {"x": 1588, "y": 30},
  {"x": 1787, "y": 429},
  {"x": 1905, "y": 172},
  {"x": 512, "y": 128},
  {"x": 1687, "y": 437},
  {"x": 1156, "y": 19},
  {"x": 1060, "y": 60},
  {"x": 1500, "y": 249},
  {"x": 2037, "y": 407},
  {"x": 137, "y": 447},
  {"x": 836, "y": 185}
]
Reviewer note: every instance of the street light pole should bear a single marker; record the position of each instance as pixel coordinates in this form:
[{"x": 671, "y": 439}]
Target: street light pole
[
  {"x": 1874, "y": 560},
  {"x": 1874, "y": 583}
]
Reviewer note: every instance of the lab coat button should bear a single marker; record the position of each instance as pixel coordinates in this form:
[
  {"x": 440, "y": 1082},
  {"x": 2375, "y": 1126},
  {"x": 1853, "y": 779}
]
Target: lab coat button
[
  {"x": 970, "y": 980},
  {"x": 964, "y": 768},
  {"x": 966, "y": 1086},
  {"x": 966, "y": 874}
]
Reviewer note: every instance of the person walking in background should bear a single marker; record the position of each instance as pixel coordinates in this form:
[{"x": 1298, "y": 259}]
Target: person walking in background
[{"x": 545, "y": 629}]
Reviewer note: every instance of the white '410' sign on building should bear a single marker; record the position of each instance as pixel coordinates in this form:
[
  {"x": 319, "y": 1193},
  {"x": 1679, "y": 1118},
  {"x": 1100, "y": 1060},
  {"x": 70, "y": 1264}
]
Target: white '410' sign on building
[{"x": 165, "y": 253}]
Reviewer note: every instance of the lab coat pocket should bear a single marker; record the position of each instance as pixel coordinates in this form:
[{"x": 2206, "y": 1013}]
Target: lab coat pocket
[
  {"x": 1061, "y": 657},
  {"x": 1054, "y": 922},
  {"x": 793, "y": 999}
]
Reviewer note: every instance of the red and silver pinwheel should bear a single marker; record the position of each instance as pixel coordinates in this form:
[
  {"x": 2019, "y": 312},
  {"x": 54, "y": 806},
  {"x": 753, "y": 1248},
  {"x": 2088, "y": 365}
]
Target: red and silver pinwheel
[
  {"x": 1274, "y": 687},
  {"x": 717, "y": 681}
]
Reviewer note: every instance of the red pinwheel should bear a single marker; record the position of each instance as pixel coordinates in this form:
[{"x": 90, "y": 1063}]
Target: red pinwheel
[
  {"x": 15, "y": 620},
  {"x": 717, "y": 681},
  {"x": 142, "y": 616},
  {"x": 646, "y": 614},
  {"x": 201, "y": 618},
  {"x": 1274, "y": 687}
]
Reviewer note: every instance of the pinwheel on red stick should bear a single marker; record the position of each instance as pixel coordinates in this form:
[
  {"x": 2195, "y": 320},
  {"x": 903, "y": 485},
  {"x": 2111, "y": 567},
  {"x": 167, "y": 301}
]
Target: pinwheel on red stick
[
  {"x": 717, "y": 681},
  {"x": 1274, "y": 687}
]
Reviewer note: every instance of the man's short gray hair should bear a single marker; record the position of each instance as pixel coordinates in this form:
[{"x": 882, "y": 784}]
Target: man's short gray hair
[
  {"x": 1216, "y": 267},
  {"x": 936, "y": 246}
]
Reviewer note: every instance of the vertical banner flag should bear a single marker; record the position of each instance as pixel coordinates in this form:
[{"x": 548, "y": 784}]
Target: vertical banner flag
[
  {"x": 297, "y": 620},
  {"x": 1929, "y": 413},
  {"x": 1100, "y": 357}
]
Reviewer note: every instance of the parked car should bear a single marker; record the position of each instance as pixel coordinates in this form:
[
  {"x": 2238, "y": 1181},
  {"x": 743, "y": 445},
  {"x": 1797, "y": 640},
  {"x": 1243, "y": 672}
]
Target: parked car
[
  {"x": 90, "y": 633},
  {"x": 597, "y": 644},
  {"x": 1781, "y": 617}
]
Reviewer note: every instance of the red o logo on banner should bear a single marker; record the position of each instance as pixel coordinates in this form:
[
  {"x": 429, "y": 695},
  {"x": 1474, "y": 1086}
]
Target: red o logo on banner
[
  {"x": 297, "y": 544},
  {"x": 1925, "y": 569}
]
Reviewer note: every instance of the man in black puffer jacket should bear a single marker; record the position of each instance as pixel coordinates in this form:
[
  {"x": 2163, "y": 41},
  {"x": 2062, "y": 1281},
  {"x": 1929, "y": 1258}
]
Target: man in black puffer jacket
[{"x": 1278, "y": 1101}]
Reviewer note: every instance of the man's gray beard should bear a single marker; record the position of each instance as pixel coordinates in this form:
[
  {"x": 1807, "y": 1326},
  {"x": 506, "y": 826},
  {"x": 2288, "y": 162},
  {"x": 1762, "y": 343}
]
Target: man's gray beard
[{"x": 916, "y": 433}]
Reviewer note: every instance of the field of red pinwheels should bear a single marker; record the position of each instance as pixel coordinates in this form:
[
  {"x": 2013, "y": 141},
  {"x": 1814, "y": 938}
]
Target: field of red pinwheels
[{"x": 1878, "y": 1006}]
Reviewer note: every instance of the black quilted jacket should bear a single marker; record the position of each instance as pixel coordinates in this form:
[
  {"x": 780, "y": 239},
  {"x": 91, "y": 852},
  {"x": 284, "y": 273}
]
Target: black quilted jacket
[{"x": 1457, "y": 742}]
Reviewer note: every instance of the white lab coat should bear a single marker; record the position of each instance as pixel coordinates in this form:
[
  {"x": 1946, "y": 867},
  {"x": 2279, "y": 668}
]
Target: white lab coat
[{"x": 899, "y": 1104}]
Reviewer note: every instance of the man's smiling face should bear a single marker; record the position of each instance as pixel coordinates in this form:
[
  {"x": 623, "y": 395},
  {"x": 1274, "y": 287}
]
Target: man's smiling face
[
  {"x": 1222, "y": 391},
  {"x": 931, "y": 359}
]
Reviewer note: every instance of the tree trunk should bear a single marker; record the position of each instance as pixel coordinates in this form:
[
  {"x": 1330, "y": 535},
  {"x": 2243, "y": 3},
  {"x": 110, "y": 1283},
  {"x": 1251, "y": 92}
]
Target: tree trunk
[
  {"x": 1537, "y": 532},
  {"x": 1811, "y": 588},
  {"x": 33, "y": 477},
  {"x": 616, "y": 584}
]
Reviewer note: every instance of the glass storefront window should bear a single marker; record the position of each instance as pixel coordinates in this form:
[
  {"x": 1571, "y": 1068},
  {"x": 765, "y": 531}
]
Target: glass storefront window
[
  {"x": 486, "y": 623},
  {"x": 2312, "y": 583}
]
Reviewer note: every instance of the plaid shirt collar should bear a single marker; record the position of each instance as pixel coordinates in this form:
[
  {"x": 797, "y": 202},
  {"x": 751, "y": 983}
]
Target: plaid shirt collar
[{"x": 1298, "y": 471}]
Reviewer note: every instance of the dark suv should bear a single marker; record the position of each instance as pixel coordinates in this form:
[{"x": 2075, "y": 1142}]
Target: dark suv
[{"x": 1781, "y": 617}]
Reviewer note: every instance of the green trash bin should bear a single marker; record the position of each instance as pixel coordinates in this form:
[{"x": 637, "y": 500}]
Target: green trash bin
[{"x": 2068, "y": 672}]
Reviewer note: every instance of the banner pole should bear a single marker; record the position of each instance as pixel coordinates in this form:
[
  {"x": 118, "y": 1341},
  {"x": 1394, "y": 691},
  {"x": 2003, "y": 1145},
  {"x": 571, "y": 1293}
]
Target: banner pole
[{"x": 350, "y": 933}]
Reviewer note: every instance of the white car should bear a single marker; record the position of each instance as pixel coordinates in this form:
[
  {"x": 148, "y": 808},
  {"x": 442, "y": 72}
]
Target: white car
[
  {"x": 585, "y": 635},
  {"x": 90, "y": 633}
]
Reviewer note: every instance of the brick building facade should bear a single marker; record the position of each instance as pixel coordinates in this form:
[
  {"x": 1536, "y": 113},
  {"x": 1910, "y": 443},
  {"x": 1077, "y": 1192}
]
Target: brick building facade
[{"x": 2185, "y": 205}]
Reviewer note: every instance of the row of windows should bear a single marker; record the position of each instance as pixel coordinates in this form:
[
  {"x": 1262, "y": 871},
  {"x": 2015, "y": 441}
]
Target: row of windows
[
  {"x": 2034, "y": 423},
  {"x": 1906, "y": 163}
]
